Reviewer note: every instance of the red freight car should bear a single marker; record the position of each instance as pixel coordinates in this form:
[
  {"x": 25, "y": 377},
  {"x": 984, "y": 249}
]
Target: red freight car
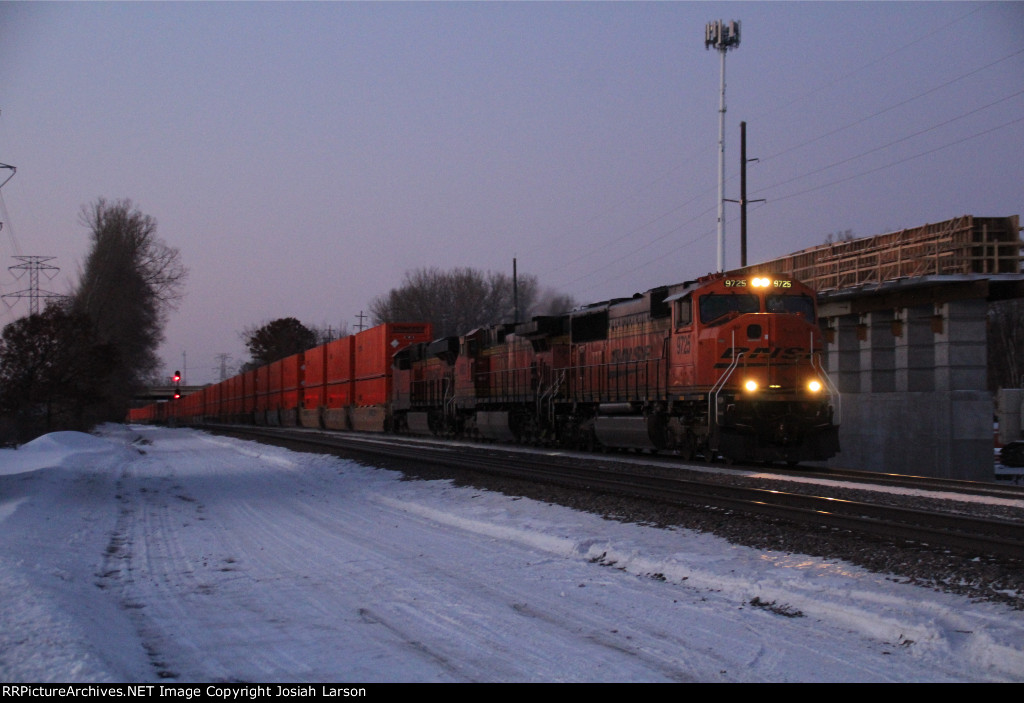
[
  {"x": 313, "y": 387},
  {"x": 372, "y": 383},
  {"x": 338, "y": 383},
  {"x": 289, "y": 399}
]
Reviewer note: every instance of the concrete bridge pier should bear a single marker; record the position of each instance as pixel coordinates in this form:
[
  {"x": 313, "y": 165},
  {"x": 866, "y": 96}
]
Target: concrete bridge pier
[{"x": 912, "y": 372}]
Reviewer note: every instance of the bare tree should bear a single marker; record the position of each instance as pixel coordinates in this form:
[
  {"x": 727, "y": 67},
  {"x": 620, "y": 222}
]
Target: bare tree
[
  {"x": 130, "y": 280},
  {"x": 459, "y": 300}
]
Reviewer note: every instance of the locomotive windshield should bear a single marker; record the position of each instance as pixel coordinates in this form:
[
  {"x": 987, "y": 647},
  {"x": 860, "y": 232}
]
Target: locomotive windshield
[
  {"x": 715, "y": 306},
  {"x": 794, "y": 304}
]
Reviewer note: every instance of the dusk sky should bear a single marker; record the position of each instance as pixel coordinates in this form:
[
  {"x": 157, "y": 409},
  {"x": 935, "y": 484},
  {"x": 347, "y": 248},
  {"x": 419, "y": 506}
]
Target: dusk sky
[{"x": 303, "y": 156}]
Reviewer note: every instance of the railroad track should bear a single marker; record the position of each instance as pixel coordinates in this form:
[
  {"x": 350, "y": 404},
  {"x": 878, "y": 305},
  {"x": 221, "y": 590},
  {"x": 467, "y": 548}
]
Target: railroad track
[
  {"x": 973, "y": 535},
  {"x": 921, "y": 483}
]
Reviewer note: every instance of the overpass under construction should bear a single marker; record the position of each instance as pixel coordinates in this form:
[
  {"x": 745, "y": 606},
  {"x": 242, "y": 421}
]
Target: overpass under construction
[{"x": 904, "y": 317}]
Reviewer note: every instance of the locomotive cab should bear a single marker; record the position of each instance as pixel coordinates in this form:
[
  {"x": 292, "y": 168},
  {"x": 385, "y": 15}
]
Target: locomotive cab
[{"x": 757, "y": 362}]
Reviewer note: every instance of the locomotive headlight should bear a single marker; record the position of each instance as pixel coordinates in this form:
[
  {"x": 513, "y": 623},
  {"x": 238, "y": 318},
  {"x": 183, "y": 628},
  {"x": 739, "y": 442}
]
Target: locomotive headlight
[
  {"x": 814, "y": 386},
  {"x": 751, "y": 386},
  {"x": 760, "y": 282}
]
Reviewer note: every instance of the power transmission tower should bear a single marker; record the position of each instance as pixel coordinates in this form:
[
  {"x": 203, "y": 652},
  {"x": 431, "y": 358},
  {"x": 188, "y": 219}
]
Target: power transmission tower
[
  {"x": 10, "y": 168},
  {"x": 33, "y": 264},
  {"x": 3, "y": 206},
  {"x": 13, "y": 170},
  {"x": 223, "y": 359}
]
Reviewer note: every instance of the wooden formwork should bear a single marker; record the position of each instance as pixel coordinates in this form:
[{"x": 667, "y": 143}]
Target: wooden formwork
[{"x": 966, "y": 244}]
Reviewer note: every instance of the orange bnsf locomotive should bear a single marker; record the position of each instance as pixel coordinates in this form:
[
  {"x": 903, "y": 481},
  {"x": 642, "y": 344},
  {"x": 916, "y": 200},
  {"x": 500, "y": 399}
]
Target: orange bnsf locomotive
[{"x": 726, "y": 365}]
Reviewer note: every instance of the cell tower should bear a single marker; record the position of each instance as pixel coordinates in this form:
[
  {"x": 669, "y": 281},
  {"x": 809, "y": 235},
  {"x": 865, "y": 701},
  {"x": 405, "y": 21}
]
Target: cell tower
[{"x": 721, "y": 36}]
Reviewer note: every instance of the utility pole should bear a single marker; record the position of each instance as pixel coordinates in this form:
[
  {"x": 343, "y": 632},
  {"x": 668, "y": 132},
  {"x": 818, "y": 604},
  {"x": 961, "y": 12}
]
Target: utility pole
[
  {"x": 721, "y": 36},
  {"x": 361, "y": 317},
  {"x": 743, "y": 194},
  {"x": 515, "y": 293}
]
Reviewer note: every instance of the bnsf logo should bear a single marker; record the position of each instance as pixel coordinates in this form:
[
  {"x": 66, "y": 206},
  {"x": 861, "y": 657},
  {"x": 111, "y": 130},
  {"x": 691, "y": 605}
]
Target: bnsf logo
[
  {"x": 635, "y": 354},
  {"x": 767, "y": 353}
]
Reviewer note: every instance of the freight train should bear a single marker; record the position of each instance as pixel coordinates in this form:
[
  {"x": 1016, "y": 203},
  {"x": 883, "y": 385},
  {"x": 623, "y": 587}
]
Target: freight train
[{"x": 725, "y": 366}]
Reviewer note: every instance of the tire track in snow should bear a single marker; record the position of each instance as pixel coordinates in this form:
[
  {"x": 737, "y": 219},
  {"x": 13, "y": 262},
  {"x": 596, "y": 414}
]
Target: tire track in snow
[{"x": 267, "y": 565}]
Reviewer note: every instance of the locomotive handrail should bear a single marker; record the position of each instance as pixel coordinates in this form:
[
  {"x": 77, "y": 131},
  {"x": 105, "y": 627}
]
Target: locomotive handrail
[
  {"x": 720, "y": 384},
  {"x": 619, "y": 381},
  {"x": 448, "y": 396},
  {"x": 833, "y": 392},
  {"x": 546, "y": 400}
]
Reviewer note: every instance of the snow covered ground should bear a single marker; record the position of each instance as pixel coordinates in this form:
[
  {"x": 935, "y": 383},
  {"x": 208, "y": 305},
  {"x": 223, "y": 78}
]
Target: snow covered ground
[{"x": 187, "y": 557}]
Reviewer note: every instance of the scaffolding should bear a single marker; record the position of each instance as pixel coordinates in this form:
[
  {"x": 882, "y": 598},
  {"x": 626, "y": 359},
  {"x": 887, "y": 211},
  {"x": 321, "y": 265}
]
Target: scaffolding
[{"x": 963, "y": 245}]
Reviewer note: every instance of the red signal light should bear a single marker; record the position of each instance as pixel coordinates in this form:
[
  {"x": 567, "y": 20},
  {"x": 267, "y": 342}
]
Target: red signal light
[{"x": 177, "y": 376}]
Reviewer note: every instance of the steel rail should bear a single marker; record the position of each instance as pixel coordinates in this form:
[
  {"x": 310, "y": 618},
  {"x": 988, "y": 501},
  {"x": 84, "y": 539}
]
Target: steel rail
[{"x": 948, "y": 530}]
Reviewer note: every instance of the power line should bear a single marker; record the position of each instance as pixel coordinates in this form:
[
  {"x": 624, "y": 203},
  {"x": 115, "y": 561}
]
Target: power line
[
  {"x": 605, "y": 248},
  {"x": 890, "y": 108},
  {"x": 895, "y": 141},
  {"x": 899, "y": 161},
  {"x": 885, "y": 57},
  {"x": 706, "y": 234},
  {"x": 650, "y": 243}
]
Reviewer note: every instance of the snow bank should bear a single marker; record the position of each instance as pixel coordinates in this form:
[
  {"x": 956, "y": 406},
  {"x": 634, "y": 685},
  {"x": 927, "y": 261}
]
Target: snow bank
[
  {"x": 54, "y": 449},
  {"x": 168, "y": 555}
]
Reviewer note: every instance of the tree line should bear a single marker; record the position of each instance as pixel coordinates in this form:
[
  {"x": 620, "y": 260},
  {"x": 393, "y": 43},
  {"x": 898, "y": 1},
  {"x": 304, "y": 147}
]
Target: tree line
[
  {"x": 82, "y": 359},
  {"x": 454, "y": 301},
  {"x": 459, "y": 300}
]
